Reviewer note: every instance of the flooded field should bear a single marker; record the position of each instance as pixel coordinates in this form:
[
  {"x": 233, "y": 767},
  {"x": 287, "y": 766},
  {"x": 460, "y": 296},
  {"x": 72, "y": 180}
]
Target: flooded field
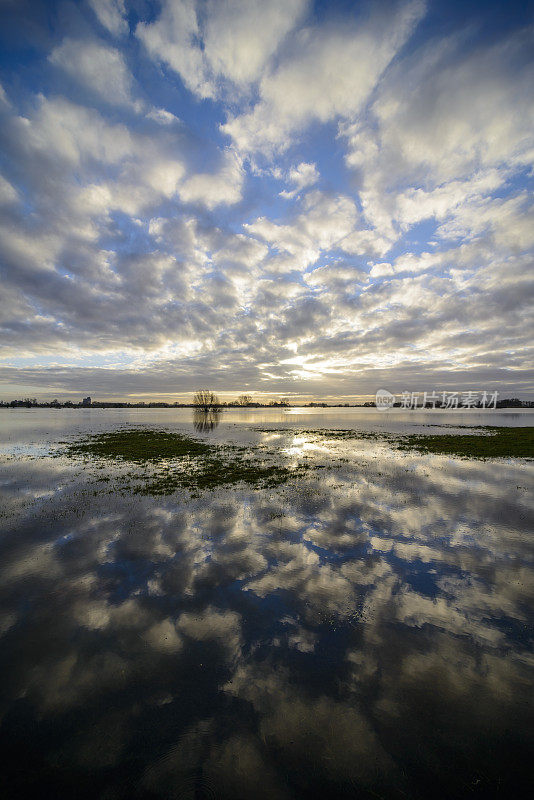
[{"x": 334, "y": 615}]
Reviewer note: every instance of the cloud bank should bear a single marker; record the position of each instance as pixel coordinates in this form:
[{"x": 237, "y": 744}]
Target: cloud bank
[{"x": 278, "y": 197}]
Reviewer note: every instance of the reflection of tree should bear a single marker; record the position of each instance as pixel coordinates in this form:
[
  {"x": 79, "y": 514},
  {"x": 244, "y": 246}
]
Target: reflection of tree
[
  {"x": 206, "y": 420},
  {"x": 205, "y": 400}
]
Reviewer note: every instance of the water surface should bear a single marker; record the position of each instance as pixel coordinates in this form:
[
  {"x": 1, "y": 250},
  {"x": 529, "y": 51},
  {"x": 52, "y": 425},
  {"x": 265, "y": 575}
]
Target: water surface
[{"x": 363, "y": 632}]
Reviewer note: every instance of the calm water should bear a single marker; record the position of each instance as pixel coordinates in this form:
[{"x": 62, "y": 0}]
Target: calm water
[{"x": 364, "y": 633}]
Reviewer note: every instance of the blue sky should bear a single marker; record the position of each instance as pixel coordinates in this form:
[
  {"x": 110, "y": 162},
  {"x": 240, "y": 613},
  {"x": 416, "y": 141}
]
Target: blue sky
[{"x": 296, "y": 199}]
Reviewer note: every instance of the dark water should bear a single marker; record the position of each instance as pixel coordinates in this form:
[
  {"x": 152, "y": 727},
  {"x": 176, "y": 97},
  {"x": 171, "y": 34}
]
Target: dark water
[{"x": 366, "y": 633}]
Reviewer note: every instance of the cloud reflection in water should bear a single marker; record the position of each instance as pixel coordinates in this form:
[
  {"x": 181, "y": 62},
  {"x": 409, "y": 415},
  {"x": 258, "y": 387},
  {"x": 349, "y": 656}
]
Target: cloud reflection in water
[{"x": 361, "y": 632}]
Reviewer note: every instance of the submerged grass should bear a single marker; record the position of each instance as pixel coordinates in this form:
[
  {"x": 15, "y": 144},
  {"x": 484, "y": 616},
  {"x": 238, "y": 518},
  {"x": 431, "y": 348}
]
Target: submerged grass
[
  {"x": 494, "y": 443},
  {"x": 138, "y": 445},
  {"x": 162, "y": 462},
  {"x": 173, "y": 461}
]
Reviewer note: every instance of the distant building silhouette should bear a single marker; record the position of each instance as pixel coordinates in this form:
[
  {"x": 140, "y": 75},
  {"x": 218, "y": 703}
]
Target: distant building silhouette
[{"x": 86, "y": 401}]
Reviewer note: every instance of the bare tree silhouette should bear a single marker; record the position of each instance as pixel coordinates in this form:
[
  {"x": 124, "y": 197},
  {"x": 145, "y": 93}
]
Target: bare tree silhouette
[
  {"x": 205, "y": 400},
  {"x": 244, "y": 399}
]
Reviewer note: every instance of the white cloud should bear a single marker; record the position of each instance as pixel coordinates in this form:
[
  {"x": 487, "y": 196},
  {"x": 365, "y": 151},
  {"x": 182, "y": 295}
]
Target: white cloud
[
  {"x": 453, "y": 112},
  {"x": 301, "y": 176},
  {"x": 8, "y": 193},
  {"x": 450, "y": 126},
  {"x": 162, "y": 116},
  {"x": 122, "y": 169},
  {"x": 335, "y": 276},
  {"x": 72, "y": 134},
  {"x": 214, "y": 189},
  {"x": 98, "y": 67},
  {"x": 323, "y": 224},
  {"x": 381, "y": 270},
  {"x": 329, "y": 73},
  {"x": 172, "y": 40},
  {"x": 3, "y": 97},
  {"x": 111, "y": 14},
  {"x": 414, "y": 205},
  {"x": 238, "y": 38},
  {"x": 509, "y": 222},
  {"x": 242, "y": 35},
  {"x": 30, "y": 253},
  {"x": 366, "y": 241}
]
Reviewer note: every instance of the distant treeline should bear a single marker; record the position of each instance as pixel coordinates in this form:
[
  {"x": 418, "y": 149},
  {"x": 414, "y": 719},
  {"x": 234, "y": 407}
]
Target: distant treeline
[
  {"x": 27, "y": 402},
  {"x": 32, "y": 403}
]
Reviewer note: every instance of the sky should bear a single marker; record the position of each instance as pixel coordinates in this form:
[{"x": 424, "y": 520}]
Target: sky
[{"x": 297, "y": 199}]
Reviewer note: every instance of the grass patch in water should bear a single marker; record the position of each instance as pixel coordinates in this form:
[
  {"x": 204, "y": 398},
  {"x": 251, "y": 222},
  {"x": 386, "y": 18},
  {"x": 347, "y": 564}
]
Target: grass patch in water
[
  {"x": 179, "y": 461},
  {"x": 214, "y": 472},
  {"x": 495, "y": 443},
  {"x": 138, "y": 446}
]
